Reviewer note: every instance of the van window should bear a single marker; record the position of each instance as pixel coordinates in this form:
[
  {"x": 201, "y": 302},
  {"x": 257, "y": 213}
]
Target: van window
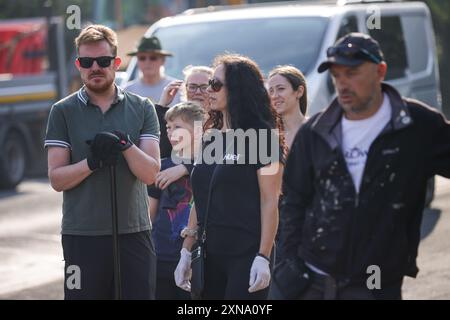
[
  {"x": 349, "y": 24},
  {"x": 269, "y": 42},
  {"x": 416, "y": 40},
  {"x": 392, "y": 42}
]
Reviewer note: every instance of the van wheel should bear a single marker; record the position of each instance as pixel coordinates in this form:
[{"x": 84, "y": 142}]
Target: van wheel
[
  {"x": 430, "y": 192},
  {"x": 12, "y": 160}
]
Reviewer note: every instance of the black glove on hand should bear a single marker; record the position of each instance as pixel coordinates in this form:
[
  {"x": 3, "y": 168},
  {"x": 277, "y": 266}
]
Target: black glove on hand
[
  {"x": 105, "y": 149},
  {"x": 93, "y": 160},
  {"x": 125, "y": 141}
]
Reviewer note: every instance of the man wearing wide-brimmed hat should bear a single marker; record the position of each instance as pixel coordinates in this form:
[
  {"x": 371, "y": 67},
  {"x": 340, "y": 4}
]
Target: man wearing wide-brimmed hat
[{"x": 150, "y": 59}]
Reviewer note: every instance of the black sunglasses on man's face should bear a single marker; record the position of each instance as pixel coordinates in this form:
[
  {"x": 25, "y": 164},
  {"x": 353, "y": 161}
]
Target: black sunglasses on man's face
[{"x": 103, "y": 62}]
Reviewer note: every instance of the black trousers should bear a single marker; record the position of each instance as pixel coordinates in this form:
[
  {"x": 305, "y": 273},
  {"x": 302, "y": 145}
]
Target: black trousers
[
  {"x": 89, "y": 267},
  {"x": 166, "y": 289},
  {"x": 326, "y": 288},
  {"x": 227, "y": 278}
]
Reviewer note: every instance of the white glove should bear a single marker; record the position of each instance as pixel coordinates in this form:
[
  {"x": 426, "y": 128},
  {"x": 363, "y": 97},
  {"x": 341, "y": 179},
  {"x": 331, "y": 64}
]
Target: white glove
[
  {"x": 183, "y": 270},
  {"x": 259, "y": 274}
]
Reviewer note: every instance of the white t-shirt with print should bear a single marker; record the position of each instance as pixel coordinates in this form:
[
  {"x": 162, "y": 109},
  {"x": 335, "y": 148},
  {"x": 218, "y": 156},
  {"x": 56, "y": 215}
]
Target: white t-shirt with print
[{"x": 357, "y": 137}]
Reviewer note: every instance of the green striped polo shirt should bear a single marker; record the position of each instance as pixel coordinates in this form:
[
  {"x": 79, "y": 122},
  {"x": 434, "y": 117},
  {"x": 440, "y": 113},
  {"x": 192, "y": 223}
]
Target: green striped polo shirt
[{"x": 87, "y": 207}]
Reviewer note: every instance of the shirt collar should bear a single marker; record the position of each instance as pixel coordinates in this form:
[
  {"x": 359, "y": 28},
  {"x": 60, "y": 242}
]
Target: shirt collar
[
  {"x": 328, "y": 122},
  {"x": 84, "y": 98}
]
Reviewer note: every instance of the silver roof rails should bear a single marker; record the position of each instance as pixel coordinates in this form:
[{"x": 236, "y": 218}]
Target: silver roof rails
[
  {"x": 282, "y": 3},
  {"x": 347, "y": 2}
]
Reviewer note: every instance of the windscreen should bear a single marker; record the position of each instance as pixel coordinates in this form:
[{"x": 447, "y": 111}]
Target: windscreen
[{"x": 270, "y": 42}]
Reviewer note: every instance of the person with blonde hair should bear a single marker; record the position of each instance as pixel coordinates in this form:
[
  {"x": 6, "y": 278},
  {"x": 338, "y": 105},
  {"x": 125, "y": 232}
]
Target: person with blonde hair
[
  {"x": 173, "y": 204},
  {"x": 194, "y": 90},
  {"x": 194, "y": 87}
]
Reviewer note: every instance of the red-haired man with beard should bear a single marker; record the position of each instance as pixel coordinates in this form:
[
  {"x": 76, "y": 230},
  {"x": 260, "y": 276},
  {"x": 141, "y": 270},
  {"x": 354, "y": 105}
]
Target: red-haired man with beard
[{"x": 123, "y": 130}]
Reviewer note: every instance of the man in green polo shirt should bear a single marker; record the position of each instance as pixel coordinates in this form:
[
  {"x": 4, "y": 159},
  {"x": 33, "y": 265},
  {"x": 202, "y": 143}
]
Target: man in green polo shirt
[{"x": 80, "y": 171}]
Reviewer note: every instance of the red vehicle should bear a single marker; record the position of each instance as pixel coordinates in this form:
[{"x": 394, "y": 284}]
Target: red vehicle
[
  {"x": 23, "y": 47},
  {"x": 32, "y": 77}
]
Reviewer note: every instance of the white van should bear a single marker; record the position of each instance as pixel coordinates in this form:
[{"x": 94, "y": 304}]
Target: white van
[{"x": 299, "y": 33}]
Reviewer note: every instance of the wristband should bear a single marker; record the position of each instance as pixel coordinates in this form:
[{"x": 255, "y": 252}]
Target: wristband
[
  {"x": 187, "y": 232},
  {"x": 263, "y": 256},
  {"x": 93, "y": 163}
]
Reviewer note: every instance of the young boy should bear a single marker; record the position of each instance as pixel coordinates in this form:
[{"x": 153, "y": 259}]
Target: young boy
[{"x": 170, "y": 207}]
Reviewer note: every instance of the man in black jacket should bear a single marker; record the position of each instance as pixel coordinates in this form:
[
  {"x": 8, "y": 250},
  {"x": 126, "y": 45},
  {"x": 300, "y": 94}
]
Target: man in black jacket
[{"x": 355, "y": 180}]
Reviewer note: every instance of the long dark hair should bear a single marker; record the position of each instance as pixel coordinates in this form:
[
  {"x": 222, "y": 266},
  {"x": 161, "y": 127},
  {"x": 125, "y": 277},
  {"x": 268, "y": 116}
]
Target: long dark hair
[
  {"x": 296, "y": 78},
  {"x": 248, "y": 103}
]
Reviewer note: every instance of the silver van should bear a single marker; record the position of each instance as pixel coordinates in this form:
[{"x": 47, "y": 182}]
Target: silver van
[{"x": 298, "y": 33}]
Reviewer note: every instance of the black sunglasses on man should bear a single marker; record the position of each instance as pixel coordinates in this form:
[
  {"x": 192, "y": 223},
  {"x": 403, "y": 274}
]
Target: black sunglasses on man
[{"x": 103, "y": 62}]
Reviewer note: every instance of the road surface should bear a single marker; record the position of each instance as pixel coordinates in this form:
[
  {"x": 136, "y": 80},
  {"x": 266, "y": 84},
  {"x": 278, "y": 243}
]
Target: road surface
[{"x": 31, "y": 265}]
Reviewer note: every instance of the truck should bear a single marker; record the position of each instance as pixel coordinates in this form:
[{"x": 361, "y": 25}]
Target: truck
[{"x": 33, "y": 76}]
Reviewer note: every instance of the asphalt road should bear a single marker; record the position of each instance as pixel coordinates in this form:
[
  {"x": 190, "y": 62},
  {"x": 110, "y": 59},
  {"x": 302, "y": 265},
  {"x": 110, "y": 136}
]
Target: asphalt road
[{"x": 31, "y": 265}]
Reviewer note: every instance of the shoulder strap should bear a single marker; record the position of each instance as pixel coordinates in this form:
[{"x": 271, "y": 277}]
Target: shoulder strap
[{"x": 203, "y": 237}]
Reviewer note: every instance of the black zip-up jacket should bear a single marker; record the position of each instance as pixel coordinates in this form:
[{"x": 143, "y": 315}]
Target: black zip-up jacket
[{"x": 326, "y": 223}]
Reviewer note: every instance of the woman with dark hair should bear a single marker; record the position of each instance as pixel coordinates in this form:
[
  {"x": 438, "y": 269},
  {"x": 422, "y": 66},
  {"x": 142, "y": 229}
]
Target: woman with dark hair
[
  {"x": 287, "y": 90},
  {"x": 242, "y": 211}
]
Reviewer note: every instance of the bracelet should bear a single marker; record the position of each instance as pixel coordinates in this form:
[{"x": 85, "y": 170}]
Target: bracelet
[
  {"x": 262, "y": 256},
  {"x": 188, "y": 232}
]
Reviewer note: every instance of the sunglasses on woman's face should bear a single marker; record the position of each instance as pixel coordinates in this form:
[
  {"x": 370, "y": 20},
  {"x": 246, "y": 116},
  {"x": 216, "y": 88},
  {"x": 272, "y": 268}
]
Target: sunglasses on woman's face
[
  {"x": 215, "y": 84},
  {"x": 103, "y": 62}
]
